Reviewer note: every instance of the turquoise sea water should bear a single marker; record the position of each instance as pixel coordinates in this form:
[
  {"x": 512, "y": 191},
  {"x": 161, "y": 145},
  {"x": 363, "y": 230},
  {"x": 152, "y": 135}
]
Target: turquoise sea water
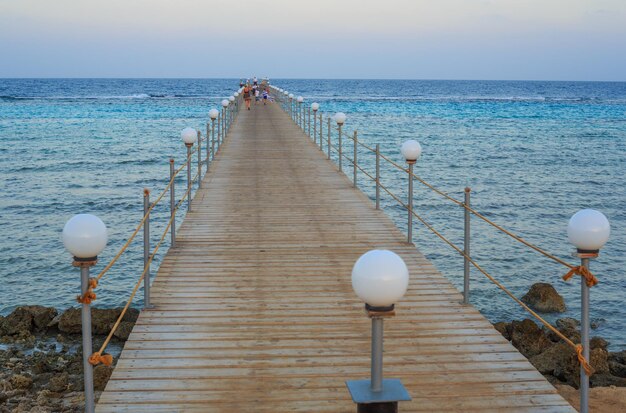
[{"x": 533, "y": 153}]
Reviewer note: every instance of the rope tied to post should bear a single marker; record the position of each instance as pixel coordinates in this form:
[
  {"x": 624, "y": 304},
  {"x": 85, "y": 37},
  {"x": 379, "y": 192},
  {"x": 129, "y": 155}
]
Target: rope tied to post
[
  {"x": 584, "y": 272},
  {"x": 583, "y": 361},
  {"x": 97, "y": 358},
  {"x": 89, "y": 295}
]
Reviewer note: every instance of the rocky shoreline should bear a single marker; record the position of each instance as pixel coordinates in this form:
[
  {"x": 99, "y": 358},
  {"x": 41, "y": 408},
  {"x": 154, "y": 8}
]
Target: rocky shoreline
[{"x": 41, "y": 356}]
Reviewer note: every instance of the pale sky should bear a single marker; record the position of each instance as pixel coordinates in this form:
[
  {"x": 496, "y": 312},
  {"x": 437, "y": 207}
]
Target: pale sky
[{"x": 409, "y": 39}]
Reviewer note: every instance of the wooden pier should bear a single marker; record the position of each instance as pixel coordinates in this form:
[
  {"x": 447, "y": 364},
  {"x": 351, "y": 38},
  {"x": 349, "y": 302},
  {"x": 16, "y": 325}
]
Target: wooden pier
[{"x": 254, "y": 308}]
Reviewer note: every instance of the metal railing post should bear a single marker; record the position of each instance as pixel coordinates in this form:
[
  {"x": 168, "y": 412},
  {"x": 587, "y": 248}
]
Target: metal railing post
[
  {"x": 208, "y": 148},
  {"x": 321, "y": 131},
  {"x": 339, "y": 147},
  {"x": 146, "y": 249},
  {"x": 466, "y": 247},
  {"x": 172, "y": 204},
  {"x": 355, "y": 160},
  {"x": 410, "y": 205},
  {"x": 212, "y": 139},
  {"x": 199, "y": 160},
  {"x": 309, "y": 114},
  {"x": 377, "y": 176},
  {"x": 188, "y": 178},
  {"x": 328, "y": 138},
  {"x": 314, "y": 127},
  {"x": 376, "y": 371},
  {"x": 584, "y": 338},
  {"x": 86, "y": 330}
]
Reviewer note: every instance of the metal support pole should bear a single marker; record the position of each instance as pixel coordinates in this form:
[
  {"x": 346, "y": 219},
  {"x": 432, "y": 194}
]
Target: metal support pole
[
  {"x": 309, "y": 128},
  {"x": 212, "y": 139},
  {"x": 584, "y": 338},
  {"x": 172, "y": 204},
  {"x": 410, "y": 205},
  {"x": 466, "y": 248},
  {"x": 355, "y": 159},
  {"x": 377, "y": 354},
  {"x": 146, "y": 249},
  {"x": 223, "y": 127},
  {"x": 208, "y": 148},
  {"x": 321, "y": 128},
  {"x": 314, "y": 126},
  {"x": 377, "y": 176},
  {"x": 87, "y": 346},
  {"x": 339, "y": 146},
  {"x": 199, "y": 160},
  {"x": 328, "y": 138},
  {"x": 189, "y": 178}
]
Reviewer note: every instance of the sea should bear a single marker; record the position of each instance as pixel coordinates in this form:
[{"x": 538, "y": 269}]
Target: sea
[{"x": 532, "y": 152}]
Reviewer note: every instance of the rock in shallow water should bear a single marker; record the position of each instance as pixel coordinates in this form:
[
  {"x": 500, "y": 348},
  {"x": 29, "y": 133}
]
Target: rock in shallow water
[{"x": 544, "y": 298}]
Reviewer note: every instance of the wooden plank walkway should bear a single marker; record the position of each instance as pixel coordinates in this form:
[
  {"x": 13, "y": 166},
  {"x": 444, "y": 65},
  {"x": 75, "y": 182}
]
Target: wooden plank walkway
[{"x": 255, "y": 311}]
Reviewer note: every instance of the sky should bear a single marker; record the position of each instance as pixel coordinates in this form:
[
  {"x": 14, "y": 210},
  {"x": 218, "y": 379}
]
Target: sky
[{"x": 382, "y": 39}]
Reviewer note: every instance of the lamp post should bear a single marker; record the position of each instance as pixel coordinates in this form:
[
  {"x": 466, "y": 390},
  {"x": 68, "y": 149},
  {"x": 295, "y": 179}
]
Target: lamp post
[
  {"x": 314, "y": 107},
  {"x": 285, "y": 94},
  {"x": 223, "y": 128},
  {"x": 189, "y": 136},
  {"x": 411, "y": 150},
  {"x": 380, "y": 278},
  {"x": 300, "y": 99},
  {"x": 588, "y": 230},
  {"x": 340, "y": 118},
  {"x": 231, "y": 112},
  {"x": 291, "y": 105},
  {"x": 236, "y": 95},
  {"x": 213, "y": 114},
  {"x": 85, "y": 236}
]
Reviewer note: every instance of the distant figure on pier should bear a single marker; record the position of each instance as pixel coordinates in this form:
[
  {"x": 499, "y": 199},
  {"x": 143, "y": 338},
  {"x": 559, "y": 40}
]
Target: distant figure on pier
[
  {"x": 241, "y": 84},
  {"x": 247, "y": 90},
  {"x": 256, "y": 96},
  {"x": 255, "y": 81},
  {"x": 265, "y": 95}
]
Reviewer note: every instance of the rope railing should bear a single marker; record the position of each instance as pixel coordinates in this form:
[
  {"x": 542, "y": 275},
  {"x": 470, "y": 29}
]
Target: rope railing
[{"x": 590, "y": 279}]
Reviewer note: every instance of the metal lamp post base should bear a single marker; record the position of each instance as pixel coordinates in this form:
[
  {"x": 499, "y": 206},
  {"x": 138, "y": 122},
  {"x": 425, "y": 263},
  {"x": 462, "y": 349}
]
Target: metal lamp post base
[{"x": 384, "y": 401}]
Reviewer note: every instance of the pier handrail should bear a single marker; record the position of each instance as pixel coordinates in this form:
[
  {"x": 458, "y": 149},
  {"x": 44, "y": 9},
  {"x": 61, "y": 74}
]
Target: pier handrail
[
  {"x": 590, "y": 279},
  {"x": 101, "y": 357},
  {"x": 142, "y": 222}
]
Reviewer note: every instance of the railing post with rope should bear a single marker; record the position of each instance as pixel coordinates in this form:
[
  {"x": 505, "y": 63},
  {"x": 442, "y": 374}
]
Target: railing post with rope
[
  {"x": 309, "y": 127},
  {"x": 189, "y": 145},
  {"x": 410, "y": 203},
  {"x": 212, "y": 139},
  {"x": 378, "y": 176},
  {"x": 199, "y": 160},
  {"x": 208, "y": 148},
  {"x": 466, "y": 247},
  {"x": 172, "y": 203},
  {"x": 146, "y": 248},
  {"x": 584, "y": 333},
  {"x": 355, "y": 160},
  {"x": 314, "y": 127},
  {"x": 86, "y": 330},
  {"x": 339, "y": 125},
  {"x": 321, "y": 137},
  {"x": 328, "y": 143}
]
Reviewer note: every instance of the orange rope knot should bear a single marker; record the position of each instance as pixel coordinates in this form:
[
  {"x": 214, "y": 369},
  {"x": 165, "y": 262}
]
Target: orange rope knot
[
  {"x": 89, "y": 296},
  {"x": 583, "y": 361},
  {"x": 97, "y": 358},
  {"x": 590, "y": 279}
]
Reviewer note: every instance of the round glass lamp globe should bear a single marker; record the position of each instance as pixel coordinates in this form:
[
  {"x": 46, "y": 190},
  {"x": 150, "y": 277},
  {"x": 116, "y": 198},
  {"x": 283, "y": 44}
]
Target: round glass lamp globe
[
  {"x": 291, "y": 96},
  {"x": 189, "y": 136},
  {"x": 285, "y": 93},
  {"x": 236, "y": 94},
  {"x": 380, "y": 278},
  {"x": 315, "y": 106},
  {"x": 300, "y": 99},
  {"x": 214, "y": 113},
  {"x": 411, "y": 150},
  {"x": 588, "y": 229},
  {"x": 231, "y": 99},
  {"x": 85, "y": 235},
  {"x": 225, "y": 103},
  {"x": 340, "y": 118}
]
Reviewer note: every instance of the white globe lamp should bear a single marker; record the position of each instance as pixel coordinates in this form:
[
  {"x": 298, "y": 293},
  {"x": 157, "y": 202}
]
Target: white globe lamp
[
  {"x": 380, "y": 278},
  {"x": 231, "y": 99},
  {"x": 411, "y": 150},
  {"x": 340, "y": 118},
  {"x": 225, "y": 103},
  {"x": 189, "y": 136},
  {"x": 214, "y": 113},
  {"x": 315, "y": 106},
  {"x": 588, "y": 230},
  {"x": 300, "y": 99},
  {"x": 85, "y": 236}
]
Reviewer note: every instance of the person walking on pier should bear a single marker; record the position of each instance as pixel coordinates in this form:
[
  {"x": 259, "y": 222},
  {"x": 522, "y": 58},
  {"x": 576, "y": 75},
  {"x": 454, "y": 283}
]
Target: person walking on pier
[
  {"x": 265, "y": 94},
  {"x": 246, "y": 95}
]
